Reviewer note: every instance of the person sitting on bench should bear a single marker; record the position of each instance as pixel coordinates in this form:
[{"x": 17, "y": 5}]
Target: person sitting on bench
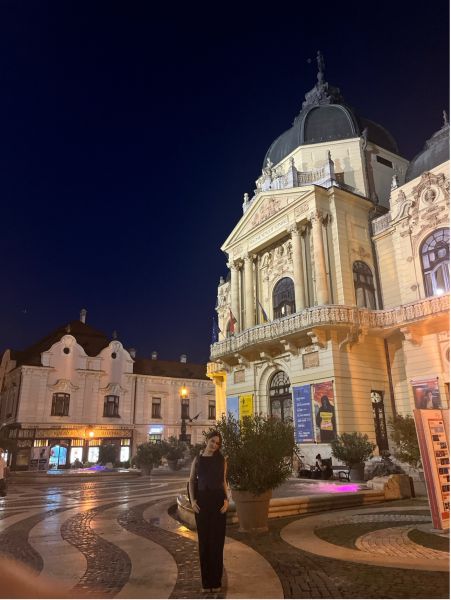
[{"x": 323, "y": 468}]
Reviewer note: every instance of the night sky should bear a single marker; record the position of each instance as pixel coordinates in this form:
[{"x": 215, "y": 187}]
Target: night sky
[{"x": 129, "y": 133}]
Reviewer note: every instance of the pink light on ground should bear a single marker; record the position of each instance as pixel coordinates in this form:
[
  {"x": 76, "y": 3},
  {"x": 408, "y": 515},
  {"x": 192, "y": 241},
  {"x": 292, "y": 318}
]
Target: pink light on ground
[{"x": 336, "y": 489}]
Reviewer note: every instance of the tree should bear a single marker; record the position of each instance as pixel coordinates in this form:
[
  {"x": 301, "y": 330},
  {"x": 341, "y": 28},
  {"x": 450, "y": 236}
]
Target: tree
[
  {"x": 404, "y": 435},
  {"x": 352, "y": 448}
]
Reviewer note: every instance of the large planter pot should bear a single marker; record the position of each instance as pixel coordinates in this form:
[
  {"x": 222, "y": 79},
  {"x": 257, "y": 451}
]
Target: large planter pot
[
  {"x": 357, "y": 472},
  {"x": 252, "y": 510}
]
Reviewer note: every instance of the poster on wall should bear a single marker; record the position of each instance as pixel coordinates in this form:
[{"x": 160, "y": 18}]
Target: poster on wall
[
  {"x": 426, "y": 393},
  {"x": 39, "y": 458},
  {"x": 433, "y": 438},
  {"x": 303, "y": 418},
  {"x": 246, "y": 405},
  {"x": 324, "y": 405},
  {"x": 232, "y": 406}
]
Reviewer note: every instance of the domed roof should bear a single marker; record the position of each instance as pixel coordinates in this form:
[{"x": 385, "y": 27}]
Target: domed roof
[
  {"x": 325, "y": 117},
  {"x": 435, "y": 152}
]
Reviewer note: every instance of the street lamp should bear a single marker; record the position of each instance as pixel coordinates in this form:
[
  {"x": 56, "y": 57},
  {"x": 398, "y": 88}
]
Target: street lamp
[{"x": 184, "y": 405}]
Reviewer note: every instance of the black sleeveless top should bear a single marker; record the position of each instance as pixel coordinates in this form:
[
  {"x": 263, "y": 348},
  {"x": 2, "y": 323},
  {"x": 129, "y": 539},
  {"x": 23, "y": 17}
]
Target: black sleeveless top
[{"x": 210, "y": 472}]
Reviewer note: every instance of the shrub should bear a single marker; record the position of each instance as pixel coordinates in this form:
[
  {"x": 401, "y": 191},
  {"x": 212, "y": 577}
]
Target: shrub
[
  {"x": 107, "y": 454},
  {"x": 258, "y": 451},
  {"x": 148, "y": 455},
  {"x": 195, "y": 449},
  {"x": 404, "y": 435},
  {"x": 352, "y": 448},
  {"x": 173, "y": 448}
]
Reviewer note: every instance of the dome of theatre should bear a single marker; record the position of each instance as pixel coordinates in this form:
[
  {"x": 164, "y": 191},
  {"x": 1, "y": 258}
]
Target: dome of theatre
[
  {"x": 326, "y": 117},
  {"x": 435, "y": 152}
]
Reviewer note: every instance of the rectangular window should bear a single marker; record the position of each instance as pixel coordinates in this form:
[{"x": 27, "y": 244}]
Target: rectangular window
[
  {"x": 156, "y": 408},
  {"x": 60, "y": 405},
  {"x": 155, "y": 437},
  {"x": 212, "y": 409},
  {"x": 384, "y": 161},
  {"x": 111, "y": 406}
]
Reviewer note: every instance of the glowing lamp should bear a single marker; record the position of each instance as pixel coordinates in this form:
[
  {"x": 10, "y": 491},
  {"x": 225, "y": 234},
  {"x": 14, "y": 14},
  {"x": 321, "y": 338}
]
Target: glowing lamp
[{"x": 183, "y": 392}]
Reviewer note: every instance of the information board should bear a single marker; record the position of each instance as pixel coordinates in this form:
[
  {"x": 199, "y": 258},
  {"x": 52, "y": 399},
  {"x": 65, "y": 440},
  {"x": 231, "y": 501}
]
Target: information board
[
  {"x": 433, "y": 439},
  {"x": 303, "y": 418}
]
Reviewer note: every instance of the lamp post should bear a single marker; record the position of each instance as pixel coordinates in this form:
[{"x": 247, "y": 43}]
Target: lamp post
[{"x": 184, "y": 405}]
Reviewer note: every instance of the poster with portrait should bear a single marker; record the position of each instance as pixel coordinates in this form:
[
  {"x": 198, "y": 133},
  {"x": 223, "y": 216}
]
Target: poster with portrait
[
  {"x": 324, "y": 407},
  {"x": 39, "y": 458},
  {"x": 426, "y": 393}
]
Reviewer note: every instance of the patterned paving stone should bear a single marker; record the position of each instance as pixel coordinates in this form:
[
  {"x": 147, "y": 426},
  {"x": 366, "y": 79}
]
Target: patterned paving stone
[
  {"x": 108, "y": 567},
  {"x": 395, "y": 541}
]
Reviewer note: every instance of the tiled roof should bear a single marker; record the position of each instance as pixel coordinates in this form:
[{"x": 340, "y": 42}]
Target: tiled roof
[
  {"x": 91, "y": 340},
  {"x": 169, "y": 368}
]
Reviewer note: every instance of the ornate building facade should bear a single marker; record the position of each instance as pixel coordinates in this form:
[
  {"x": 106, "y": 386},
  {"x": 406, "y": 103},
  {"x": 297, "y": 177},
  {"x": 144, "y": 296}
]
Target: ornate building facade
[
  {"x": 334, "y": 314},
  {"x": 75, "y": 390}
]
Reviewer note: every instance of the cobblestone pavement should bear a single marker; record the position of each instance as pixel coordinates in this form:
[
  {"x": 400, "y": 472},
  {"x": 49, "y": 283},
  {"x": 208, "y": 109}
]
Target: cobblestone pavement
[{"x": 113, "y": 538}]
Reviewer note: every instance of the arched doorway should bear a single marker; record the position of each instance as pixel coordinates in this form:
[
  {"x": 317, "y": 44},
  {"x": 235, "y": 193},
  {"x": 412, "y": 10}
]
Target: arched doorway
[
  {"x": 283, "y": 298},
  {"x": 280, "y": 400}
]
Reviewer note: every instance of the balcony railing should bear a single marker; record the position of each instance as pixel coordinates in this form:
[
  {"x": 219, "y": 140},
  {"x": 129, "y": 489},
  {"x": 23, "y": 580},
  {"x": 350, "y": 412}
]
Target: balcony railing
[{"x": 317, "y": 316}]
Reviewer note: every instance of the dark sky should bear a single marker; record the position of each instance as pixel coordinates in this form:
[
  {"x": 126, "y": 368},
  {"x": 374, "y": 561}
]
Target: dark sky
[{"x": 129, "y": 133}]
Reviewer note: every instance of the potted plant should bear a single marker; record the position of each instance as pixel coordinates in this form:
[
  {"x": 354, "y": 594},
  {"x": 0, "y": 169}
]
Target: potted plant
[
  {"x": 353, "y": 449},
  {"x": 173, "y": 451},
  {"x": 258, "y": 451},
  {"x": 148, "y": 456},
  {"x": 107, "y": 455}
]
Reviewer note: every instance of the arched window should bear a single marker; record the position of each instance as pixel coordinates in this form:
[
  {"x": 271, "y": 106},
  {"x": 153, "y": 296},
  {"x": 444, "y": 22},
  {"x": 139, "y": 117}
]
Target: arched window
[
  {"x": 363, "y": 285},
  {"x": 283, "y": 298},
  {"x": 435, "y": 262},
  {"x": 281, "y": 405}
]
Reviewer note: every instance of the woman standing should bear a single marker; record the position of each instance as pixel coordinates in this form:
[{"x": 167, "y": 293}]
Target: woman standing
[{"x": 208, "y": 493}]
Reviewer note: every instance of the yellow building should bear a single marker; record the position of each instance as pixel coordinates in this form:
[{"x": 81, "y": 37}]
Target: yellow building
[{"x": 335, "y": 310}]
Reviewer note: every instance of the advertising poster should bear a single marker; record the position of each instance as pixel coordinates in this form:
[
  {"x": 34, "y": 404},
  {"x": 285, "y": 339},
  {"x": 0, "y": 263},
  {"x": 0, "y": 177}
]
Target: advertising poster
[
  {"x": 303, "y": 418},
  {"x": 39, "y": 458},
  {"x": 432, "y": 431},
  {"x": 246, "y": 405},
  {"x": 324, "y": 405},
  {"x": 232, "y": 406},
  {"x": 426, "y": 393}
]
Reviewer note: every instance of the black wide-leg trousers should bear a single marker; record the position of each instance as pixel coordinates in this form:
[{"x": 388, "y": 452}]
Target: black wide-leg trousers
[{"x": 211, "y": 525}]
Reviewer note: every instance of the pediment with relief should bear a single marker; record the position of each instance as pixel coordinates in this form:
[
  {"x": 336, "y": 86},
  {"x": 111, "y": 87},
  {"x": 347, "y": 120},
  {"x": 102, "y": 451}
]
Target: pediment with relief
[
  {"x": 264, "y": 209},
  {"x": 113, "y": 389},
  {"x": 63, "y": 386}
]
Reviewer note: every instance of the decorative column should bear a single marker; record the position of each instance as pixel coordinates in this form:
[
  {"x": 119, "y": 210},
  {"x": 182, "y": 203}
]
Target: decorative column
[
  {"x": 249, "y": 303},
  {"x": 319, "y": 259},
  {"x": 298, "y": 268},
  {"x": 234, "y": 293}
]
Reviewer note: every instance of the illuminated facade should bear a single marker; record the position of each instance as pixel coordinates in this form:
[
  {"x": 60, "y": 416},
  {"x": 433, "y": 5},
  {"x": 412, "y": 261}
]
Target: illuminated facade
[
  {"x": 73, "y": 391},
  {"x": 335, "y": 310}
]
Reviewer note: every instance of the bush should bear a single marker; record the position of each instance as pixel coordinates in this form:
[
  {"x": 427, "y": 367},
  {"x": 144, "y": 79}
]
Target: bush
[
  {"x": 195, "y": 449},
  {"x": 107, "y": 454},
  {"x": 148, "y": 456},
  {"x": 403, "y": 433},
  {"x": 173, "y": 448},
  {"x": 258, "y": 451},
  {"x": 352, "y": 448},
  {"x": 384, "y": 467}
]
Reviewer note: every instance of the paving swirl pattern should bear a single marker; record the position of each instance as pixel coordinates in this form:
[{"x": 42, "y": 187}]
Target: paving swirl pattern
[{"x": 117, "y": 540}]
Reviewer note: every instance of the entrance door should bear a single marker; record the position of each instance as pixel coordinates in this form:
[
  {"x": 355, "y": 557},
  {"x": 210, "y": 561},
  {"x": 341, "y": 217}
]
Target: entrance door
[
  {"x": 281, "y": 403},
  {"x": 58, "y": 457}
]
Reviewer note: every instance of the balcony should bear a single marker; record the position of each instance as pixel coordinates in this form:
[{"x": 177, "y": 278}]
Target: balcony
[{"x": 297, "y": 327}]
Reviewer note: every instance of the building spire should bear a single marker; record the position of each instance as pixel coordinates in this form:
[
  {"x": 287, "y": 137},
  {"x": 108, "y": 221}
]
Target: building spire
[{"x": 321, "y": 67}]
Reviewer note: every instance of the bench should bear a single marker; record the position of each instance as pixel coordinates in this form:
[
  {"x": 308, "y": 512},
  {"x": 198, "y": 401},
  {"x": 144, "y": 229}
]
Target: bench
[{"x": 341, "y": 471}]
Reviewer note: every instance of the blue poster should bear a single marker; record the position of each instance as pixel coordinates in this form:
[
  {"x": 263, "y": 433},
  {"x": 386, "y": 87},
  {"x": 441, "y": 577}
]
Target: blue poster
[
  {"x": 303, "y": 420},
  {"x": 233, "y": 406}
]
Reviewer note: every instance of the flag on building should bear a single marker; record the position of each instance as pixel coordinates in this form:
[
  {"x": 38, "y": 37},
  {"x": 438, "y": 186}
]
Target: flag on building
[
  {"x": 264, "y": 315},
  {"x": 215, "y": 331},
  {"x": 232, "y": 322}
]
